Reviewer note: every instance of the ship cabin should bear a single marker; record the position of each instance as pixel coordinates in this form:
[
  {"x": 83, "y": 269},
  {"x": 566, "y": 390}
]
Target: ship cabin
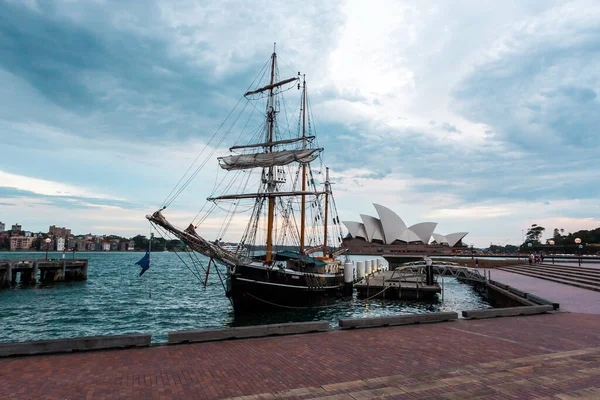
[{"x": 296, "y": 262}]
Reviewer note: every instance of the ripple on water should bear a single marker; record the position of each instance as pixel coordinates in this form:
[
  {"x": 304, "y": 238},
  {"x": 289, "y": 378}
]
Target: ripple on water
[{"x": 115, "y": 300}]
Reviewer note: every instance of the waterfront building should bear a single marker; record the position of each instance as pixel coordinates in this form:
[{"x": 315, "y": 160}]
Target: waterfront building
[
  {"x": 59, "y": 232},
  {"x": 131, "y": 245},
  {"x": 60, "y": 243},
  {"x": 389, "y": 234},
  {"x": 71, "y": 242},
  {"x": 28, "y": 234},
  {"x": 2, "y": 227},
  {"x": 105, "y": 246},
  {"x": 81, "y": 244},
  {"x": 16, "y": 228},
  {"x": 20, "y": 243}
]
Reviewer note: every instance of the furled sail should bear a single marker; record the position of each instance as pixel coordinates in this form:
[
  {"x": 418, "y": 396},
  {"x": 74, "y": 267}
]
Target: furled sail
[
  {"x": 195, "y": 241},
  {"x": 269, "y": 144},
  {"x": 263, "y": 160}
]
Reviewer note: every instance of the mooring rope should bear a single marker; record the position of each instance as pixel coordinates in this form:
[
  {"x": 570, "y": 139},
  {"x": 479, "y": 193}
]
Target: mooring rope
[{"x": 377, "y": 294}]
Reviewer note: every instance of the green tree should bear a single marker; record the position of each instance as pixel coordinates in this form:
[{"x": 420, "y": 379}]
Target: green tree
[
  {"x": 534, "y": 234},
  {"x": 140, "y": 242}
]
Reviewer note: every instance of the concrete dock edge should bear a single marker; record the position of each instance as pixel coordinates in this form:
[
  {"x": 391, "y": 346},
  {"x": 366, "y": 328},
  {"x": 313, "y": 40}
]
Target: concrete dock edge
[
  {"x": 243, "y": 332},
  {"x": 506, "y": 312},
  {"x": 373, "y": 322},
  {"x": 74, "y": 344}
]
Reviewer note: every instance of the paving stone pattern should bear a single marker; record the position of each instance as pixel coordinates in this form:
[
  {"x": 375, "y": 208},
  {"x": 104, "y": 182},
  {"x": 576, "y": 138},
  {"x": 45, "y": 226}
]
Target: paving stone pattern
[{"x": 544, "y": 356}]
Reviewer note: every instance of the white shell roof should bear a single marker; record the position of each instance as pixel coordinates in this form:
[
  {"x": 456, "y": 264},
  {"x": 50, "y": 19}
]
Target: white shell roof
[
  {"x": 372, "y": 227},
  {"x": 389, "y": 227},
  {"x": 356, "y": 229},
  {"x": 392, "y": 224},
  {"x": 424, "y": 230}
]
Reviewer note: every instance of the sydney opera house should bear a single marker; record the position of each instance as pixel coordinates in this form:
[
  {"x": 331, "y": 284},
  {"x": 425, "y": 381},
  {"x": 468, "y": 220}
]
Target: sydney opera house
[{"x": 389, "y": 234}]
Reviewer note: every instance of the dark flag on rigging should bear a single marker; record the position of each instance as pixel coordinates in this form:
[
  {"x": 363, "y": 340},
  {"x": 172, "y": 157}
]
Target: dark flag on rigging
[{"x": 145, "y": 261}]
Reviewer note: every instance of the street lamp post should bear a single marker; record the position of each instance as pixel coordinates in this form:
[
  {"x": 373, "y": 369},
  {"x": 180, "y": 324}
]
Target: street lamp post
[
  {"x": 551, "y": 243},
  {"x": 578, "y": 243},
  {"x": 47, "y": 240}
]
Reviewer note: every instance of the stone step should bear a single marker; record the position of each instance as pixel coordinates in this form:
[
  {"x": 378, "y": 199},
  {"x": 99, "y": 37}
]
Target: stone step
[
  {"x": 567, "y": 275},
  {"x": 545, "y": 267},
  {"x": 552, "y": 279}
]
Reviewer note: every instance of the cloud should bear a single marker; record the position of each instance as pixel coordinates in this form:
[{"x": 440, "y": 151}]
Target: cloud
[
  {"x": 47, "y": 188},
  {"x": 439, "y": 110},
  {"x": 536, "y": 87}
]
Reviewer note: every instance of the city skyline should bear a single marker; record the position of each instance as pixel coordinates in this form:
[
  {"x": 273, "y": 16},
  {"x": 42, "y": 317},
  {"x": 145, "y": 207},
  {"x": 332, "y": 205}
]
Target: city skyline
[{"x": 480, "y": 118}]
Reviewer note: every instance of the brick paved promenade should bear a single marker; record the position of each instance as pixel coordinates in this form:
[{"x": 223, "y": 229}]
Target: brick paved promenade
[{"x": 548, "y": 356}]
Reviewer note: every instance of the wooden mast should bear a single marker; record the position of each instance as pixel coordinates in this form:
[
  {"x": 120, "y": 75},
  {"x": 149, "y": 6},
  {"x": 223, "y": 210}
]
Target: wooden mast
[
  {"x": 326, "y": 211},
  {"x": 303, "y": 214},
  {"x": 270, "y": 177}
]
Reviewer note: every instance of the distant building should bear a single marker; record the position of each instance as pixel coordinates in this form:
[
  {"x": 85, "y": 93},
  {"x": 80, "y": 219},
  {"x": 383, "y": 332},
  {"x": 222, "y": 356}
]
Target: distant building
[
  {"x": 60, "y": 243},
  {"x": 20, "y": 243},
  {"x": 105, "y": 246},
  {"x": 81, "y": 244},
  {"x": 131, "y": 245},
  {"x": 16, "y": 228},
  {"x": 71, "y": 242},
  {"x": 90, "y": 246},
  {"x": 59, "y": 232},
  {"x": 28, "y": 234},
  {"x": 2, "y": 227}
]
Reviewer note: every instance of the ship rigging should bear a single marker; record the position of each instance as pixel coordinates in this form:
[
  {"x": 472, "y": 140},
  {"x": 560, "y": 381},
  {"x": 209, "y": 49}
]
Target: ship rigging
[{"x": 291, "y": 216}]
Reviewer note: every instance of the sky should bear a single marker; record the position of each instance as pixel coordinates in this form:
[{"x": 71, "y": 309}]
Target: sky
[{"x": 481, "y": 116}]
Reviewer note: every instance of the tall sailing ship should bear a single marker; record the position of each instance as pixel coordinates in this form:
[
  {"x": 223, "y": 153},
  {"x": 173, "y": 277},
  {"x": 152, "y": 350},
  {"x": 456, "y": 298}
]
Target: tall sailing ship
[{"x": 290, "y": 215}]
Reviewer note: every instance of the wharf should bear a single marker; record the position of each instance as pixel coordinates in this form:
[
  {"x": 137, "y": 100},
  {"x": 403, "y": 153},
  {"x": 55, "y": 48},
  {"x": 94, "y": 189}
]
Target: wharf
[
  {"x": 393, "y": 285},
  {"x": 41, "y": 270}
]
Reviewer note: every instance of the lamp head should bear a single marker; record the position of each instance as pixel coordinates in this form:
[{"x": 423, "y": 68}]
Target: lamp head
[
  {"x": 47, "y": 240},
  {"x": 577, "y": 240}
]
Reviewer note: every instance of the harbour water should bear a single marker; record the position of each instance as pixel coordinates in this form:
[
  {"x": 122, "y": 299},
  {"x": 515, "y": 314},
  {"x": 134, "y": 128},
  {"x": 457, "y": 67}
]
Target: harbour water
[{"x": 115, "y": 300}]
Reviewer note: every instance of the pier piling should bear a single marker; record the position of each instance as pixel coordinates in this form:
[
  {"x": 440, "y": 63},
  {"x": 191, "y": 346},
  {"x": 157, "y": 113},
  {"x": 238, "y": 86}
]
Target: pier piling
[{"x": 34, "y": 271}]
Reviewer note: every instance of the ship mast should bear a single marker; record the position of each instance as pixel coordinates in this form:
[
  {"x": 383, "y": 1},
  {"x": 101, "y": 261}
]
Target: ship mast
[
  {"x": 270, "y": 177},
  {"x": 327, "y": 189},
  {"x": 303, "y": 214}
]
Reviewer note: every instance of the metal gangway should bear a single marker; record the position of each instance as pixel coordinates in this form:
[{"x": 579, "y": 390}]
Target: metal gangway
[{"x": 443, "y": 268}]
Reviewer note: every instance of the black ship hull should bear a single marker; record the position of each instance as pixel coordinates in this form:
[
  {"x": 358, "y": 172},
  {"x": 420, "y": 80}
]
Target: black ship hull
[{"x": 262, "y": 288}]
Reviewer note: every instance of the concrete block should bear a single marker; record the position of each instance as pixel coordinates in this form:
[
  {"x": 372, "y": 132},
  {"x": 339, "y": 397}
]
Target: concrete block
[
  {"x": 506, "y": 312},
  {"x": 75, "y": 344},
  {"x": 540, "y": 300},
  {"x": 242, "y": 332},
  {"x": 396, "y": 320}
]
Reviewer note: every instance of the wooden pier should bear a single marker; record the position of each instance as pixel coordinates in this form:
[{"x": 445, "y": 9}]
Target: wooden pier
[
  {"x": 33, "y": 271},
  {"x": 408, "y": 281},
  {"x": 402, "y": 285}
]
